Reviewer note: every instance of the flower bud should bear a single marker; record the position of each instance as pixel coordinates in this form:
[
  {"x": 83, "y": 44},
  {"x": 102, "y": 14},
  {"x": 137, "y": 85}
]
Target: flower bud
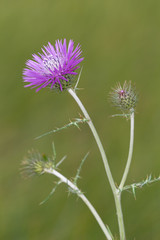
[
  {"x": 124, "y": 98},
  {"x": 35, "y": 163}
]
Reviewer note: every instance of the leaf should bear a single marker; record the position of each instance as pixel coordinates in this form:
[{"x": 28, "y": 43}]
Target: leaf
[
  {"x": 51, "y": 193},
  {"x": 74, "y": 123},
  {"x": 79, "y": 169}
]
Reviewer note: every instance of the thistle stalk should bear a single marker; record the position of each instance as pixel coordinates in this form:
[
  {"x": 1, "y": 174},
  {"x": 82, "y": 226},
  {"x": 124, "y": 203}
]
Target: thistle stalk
[
  {"x": 97, "y": 139},
  {"x": 130, "y": 152},
  {"x": 116, "y": 192},
  {"x": 117, "y": 198},
  {"x": 83, "y": 197}
]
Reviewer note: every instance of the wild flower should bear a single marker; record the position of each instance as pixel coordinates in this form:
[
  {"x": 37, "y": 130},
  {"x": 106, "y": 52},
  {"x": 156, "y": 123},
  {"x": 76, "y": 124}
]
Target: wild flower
[{"x": 55, "y": 67}]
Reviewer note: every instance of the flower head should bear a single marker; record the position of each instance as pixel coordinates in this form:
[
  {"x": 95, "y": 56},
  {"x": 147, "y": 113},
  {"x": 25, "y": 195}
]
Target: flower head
[
  {"x": 35, "y": 163},
  {"x": 55, "y": 67},
  {"x": 124, "y": 97}
]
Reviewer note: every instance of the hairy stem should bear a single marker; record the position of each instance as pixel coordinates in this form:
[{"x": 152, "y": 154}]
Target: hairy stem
[
  {"x": 84, "y": 199},
  {"x": 130, "y": 152}
]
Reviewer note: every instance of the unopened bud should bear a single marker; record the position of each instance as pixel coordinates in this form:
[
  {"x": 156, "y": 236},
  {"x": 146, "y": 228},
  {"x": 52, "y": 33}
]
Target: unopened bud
[
  {"x": 124, "y": 98},
  {"x": 35, "y": 163}
]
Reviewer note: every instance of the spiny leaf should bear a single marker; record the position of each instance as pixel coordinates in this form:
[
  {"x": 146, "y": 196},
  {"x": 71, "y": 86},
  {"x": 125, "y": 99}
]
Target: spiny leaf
[
  {"x": 79, "y": 169},
  {"x": 121, "y": 115},
  {"x": 51, "y": 193},
  {"x": 54, "y": 156},
  {"x": 61, "y": 161},
  {"x": 147, "y": 181},
  {"x": 74, "y": 123}
]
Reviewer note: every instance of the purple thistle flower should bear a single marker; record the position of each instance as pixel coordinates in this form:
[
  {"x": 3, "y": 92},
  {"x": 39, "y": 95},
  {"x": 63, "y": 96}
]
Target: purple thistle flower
[{"x": 54, "y": 67}]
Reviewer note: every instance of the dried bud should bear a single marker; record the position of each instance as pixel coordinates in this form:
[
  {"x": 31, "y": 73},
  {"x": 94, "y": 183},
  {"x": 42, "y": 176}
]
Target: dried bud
[{"x": 124, "y": 98}]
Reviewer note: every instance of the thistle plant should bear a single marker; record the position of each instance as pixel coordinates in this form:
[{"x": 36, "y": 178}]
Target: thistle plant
[{"x": 56, "y": 67}]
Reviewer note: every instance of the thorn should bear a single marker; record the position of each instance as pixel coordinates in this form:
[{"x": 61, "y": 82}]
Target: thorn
[
  {"x": 79, "y": 169},
  {"x": 61, "y": 161},
  {"x": 76, "y": 125},
  {"x": 75, "y": 88},
  {"x": 54, "y": 151},
  {"x": 51, "y": 193},
  {"x": 134, "y": 192}
]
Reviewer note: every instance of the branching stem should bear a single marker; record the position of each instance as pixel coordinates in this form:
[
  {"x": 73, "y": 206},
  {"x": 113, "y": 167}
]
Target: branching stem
[
  {"x": 116, "y": 191},
  {"x": 83, "y": 197}
]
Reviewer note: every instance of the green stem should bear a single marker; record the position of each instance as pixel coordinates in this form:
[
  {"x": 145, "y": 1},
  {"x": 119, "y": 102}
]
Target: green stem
[
  {"x": 130, "y": 152},
  {"x": 117, "y": 198},
  {"x": 83, "y": 197},
  {"x": 116, "y": 192},
  {"x": 124, "y": 177},
  {"x": 95, "y": 134}
]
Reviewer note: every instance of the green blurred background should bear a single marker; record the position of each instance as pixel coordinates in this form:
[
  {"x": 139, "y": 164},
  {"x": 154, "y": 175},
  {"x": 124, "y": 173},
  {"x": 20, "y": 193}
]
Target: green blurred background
[{"x": 120, "y": 41}]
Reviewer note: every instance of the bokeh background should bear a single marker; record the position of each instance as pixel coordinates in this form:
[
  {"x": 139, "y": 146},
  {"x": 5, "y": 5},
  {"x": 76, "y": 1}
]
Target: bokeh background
[{"x": 120, "y": 41}]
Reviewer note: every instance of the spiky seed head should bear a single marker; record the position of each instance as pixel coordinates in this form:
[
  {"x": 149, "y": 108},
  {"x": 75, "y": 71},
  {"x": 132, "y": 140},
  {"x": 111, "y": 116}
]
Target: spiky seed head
[
  {"x": 124, "y": 97},
  {"x": 35, "y": 163}
]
